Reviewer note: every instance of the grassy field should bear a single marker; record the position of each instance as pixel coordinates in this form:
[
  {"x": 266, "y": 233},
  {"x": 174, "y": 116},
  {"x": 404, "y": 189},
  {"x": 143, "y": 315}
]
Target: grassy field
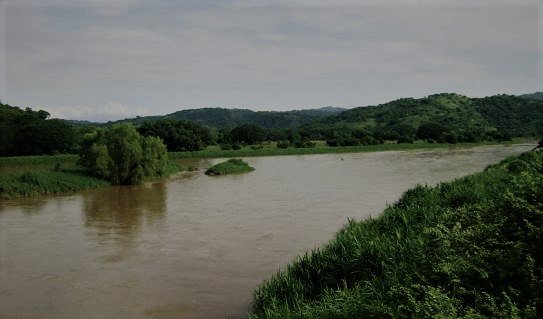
[
  {"x": 231, "y": 166},
  {"x": 470, "y": 248},
  {"x": 270, "y": 149}
]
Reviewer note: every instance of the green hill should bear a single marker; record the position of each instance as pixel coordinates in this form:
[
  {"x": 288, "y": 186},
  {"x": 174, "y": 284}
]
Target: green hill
[
  {"x": 445, "y": 116},
  {"x": 222, "y": 118},
  {"x": 534, "y": 96}
]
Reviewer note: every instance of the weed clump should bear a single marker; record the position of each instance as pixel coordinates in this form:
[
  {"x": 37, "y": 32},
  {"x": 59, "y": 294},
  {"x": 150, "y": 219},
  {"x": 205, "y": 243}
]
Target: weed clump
[{"x": 231, "y": 166}]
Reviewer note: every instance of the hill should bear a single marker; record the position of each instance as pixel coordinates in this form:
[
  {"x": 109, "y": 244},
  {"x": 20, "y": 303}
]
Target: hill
[
  {"x": 444, "y": 117},
  {"x": 222, "y": 118},
  {"x": 534, "y": 96}
]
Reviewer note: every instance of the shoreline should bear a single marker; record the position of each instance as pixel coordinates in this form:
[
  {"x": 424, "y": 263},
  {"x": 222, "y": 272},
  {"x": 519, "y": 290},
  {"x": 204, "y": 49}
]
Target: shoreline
[
  {"x": 35, "y": 176},
  {"x": 248, "y": 152}
]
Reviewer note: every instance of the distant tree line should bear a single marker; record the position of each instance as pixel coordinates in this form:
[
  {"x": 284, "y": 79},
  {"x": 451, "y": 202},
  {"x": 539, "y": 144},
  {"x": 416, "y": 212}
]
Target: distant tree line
[
  {"x": 28, "y": 132},
  {"x": 439, "y": 118}
]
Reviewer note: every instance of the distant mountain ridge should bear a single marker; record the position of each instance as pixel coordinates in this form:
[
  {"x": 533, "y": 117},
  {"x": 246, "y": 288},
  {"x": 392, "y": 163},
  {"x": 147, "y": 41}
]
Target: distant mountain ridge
[
  {"x": 454, "y": 113},
  {"x": 222, "y": 117},
  {"x": 534, "y": 96}
]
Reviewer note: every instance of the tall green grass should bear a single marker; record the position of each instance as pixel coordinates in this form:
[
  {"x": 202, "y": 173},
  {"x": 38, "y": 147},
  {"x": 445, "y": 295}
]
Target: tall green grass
[
  {"x": 471, "y": 248},
  {"x": 66, "y": 159},
  {"x": 34, "y": 183},
  {"x": 30, "y": 176}
]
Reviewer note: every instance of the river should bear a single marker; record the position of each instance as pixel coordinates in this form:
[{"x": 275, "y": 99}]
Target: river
[{"x": 195, "y": 246}]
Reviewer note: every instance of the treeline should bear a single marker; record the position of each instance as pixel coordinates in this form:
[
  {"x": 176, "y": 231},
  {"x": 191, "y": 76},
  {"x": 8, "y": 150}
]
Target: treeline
[
  {"x": 28, "y": 132},
  {"x": 442, "y": 118},
  {"x": 230, "y": 118},
  {"x": 439, "y": 118}
]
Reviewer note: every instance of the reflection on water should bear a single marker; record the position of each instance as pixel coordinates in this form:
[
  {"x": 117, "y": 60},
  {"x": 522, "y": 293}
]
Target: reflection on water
[
  {"x": 196, "y": 246},
  {"x": 121, "y": 210}
]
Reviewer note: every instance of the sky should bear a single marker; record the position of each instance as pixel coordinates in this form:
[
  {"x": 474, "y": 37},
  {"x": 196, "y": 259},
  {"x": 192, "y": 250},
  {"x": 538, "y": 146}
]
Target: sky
[{"x": 104, "y": 60}]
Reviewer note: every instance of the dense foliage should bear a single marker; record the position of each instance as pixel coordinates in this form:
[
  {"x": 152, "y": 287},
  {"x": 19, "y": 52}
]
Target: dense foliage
[
  {"x": 441, "y": 118},
  {"x": 534, "y": 96},
  {"x": 470, "y": 248},
  {"x": 28, "y": 132},
  {"x": 179, "y": 136},
  {"x": 228, "y": 118},
  {"x": 122, "y": 156},
  {"x": 449, "y": 118}
]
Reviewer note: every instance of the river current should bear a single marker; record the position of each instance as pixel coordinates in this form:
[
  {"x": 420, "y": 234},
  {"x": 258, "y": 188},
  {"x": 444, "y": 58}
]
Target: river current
[{"x": 195, "y": 246}]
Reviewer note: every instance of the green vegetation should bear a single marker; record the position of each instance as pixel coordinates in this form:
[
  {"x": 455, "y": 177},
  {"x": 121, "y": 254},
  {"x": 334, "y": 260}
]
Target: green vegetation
[
  {"x": 442, "y": 118},
  {"x": 273, "y": 149},
  {"x": 121, "y": 155},
  {"x": 228, "y": 118},
  {"x": 179, "y": 136},
  {"x": 470, "y": 248},
  {"x": 26, "y": 132},
  {"x": 231, "y": 166},
  {"x": 534, "y": 96},
  {"x": 33, "y": 183},
  {"x": 63, "y": 159},
  {"x": 439, "y": 118}
]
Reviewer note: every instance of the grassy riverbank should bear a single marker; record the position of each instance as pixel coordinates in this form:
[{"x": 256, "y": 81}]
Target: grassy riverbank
[
  {"x": 30, "y": 176},
  {"x": 231, "y": 166},
  {"x": 52, "y": 167},
  {"x": 34, "y": 183},
  {"x": 470, "y": 248},
  {"x": 271, "y": 149}
]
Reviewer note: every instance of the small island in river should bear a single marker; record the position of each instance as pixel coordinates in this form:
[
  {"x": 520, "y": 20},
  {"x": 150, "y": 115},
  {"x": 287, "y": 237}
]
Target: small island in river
[{"x": 231, "y": 166}]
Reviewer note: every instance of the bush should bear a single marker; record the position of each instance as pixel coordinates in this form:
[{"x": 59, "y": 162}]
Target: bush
[
  {"x": 406, "y": 140},
  {"x": 282, "y": 144},
  {"x": 231, "y": 166},
  {"x": 122, "y": 156}
]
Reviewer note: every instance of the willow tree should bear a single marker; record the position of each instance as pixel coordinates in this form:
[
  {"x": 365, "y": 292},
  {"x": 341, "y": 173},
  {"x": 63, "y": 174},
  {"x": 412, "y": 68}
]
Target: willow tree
[{"x": 121, "y": 155}]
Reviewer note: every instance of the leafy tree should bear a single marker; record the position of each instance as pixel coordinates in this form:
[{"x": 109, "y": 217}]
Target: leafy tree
[
  {"x": 178, "y": 135},
  {"x": 248, "y": 134},
  {"x": 431, "y": 130},
  {"x": 121, "y": 155},
  {"x": 27, "y": 132}
]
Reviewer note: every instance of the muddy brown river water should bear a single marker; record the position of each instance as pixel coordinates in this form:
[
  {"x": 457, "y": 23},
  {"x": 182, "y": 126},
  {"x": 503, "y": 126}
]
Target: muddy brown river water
[{"x": 195, "y": 246}]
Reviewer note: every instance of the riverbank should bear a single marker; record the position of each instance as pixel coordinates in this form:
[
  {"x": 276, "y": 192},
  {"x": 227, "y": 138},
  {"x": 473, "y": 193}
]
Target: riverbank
[
  {"x": 321, "y": 148},
  {"x": 48, "y": 175},
  {"x": 467, "y": 248},
  {"x": 53, "y": 169},
  {"x": 35, "y": 183}
]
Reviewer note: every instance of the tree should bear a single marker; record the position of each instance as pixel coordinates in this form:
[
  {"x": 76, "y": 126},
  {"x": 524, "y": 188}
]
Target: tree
[
  {"x": 431, "y": 131},
  {"x": 26, "y": 132},
  {"x": 121, "y": 155},
  {"x": 179, "y": 136},
  {"x": 248, "y": 134}
]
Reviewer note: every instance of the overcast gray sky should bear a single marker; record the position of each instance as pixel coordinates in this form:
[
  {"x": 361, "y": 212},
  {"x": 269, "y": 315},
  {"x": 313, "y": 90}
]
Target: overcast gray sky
[{"x": 104, "y": 60}]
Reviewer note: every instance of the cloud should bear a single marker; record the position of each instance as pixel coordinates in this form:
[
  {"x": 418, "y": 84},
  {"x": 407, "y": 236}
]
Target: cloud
[
  {"x": 101, "y": 113},
  {"x": 259, "y": 54},
  {"x": 103, "y": 8}
]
